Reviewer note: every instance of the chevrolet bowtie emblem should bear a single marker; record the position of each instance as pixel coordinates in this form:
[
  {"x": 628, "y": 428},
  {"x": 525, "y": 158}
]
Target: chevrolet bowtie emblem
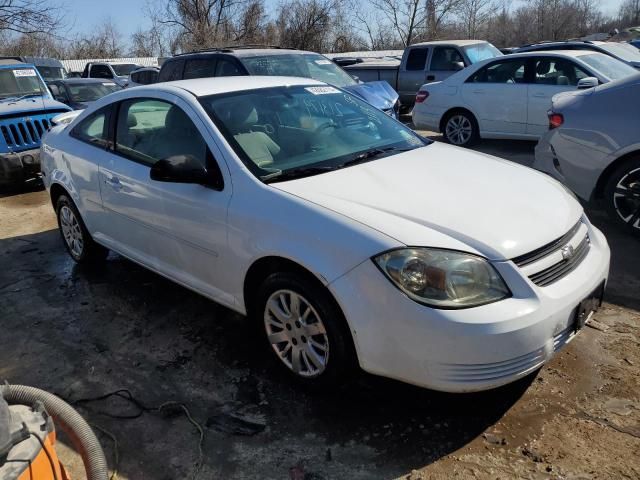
[{"x": 567, "y": 252}]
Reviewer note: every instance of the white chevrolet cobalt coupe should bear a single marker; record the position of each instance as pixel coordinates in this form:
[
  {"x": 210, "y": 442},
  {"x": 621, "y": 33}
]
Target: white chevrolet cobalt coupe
[{"x": 346, "y": 236}]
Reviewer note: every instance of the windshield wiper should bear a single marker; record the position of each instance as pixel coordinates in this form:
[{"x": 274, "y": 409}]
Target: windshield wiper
[
  {"x": 294, "y": 173},
  {"x": 372, "y": 154},
  {"x": 17, "y": 99}
]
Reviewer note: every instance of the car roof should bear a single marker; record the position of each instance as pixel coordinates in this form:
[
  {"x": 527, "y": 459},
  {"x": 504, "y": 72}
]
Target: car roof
[
  {"x": 77, "y": 81},
  {"x": 458, "y": 43},
  {"x": 243, "y": 52},
  {"x": 565, "y": 53},
  {"x": 11, "y": 61},
  {"x": 210, "y": 86}
]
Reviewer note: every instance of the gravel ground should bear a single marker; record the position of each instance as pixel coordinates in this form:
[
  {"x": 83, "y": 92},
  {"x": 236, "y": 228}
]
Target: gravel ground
[{"x": 84, "y": 332}]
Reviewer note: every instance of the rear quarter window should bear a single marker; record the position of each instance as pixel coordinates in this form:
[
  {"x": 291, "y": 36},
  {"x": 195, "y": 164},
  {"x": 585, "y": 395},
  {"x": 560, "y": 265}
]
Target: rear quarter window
[{"x": 171, "y": 70}]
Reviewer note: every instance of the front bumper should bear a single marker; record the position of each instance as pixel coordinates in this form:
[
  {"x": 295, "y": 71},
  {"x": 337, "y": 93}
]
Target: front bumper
[
  {"x": 471, "y": 349},
  {"x": 16, "y": 167}
]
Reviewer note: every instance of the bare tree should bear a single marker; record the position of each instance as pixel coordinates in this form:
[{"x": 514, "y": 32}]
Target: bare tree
[
  {"x": 630, "y": 13},
  {"x": 103, "y": 43},
  {"x": 29, "y": 16},
  {"x": 474, "y": 16},
  {"x": 306, "y": 24}
]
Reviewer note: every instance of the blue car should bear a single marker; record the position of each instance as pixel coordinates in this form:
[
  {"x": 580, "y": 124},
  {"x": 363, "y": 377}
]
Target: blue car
[{"x": 26, "y": 110}]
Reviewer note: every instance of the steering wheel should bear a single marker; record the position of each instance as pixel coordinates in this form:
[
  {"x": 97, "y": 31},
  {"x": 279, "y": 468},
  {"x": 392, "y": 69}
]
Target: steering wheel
[{"x": 325, "y": 126}]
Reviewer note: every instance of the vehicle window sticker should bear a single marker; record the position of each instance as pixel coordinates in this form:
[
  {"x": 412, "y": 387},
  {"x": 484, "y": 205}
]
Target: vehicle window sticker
[
  {"x": 322, "y": 90},
  {"x": 24, "y": 72}
]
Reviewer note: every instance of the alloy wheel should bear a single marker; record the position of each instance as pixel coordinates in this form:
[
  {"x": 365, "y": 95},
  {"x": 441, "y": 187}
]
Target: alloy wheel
[
  {"x": 626, "y": 198},
  {"x": 296, "y": 333},
  {"x": 459, "y": 129},
  {"x": 71, "y": 231}
]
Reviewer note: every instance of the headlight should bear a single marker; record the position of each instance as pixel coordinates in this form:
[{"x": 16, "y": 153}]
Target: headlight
[{"x": 443, "y": 278}]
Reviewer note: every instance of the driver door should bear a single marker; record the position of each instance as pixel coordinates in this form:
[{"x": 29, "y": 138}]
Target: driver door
[{"x": 176, "y": 229}]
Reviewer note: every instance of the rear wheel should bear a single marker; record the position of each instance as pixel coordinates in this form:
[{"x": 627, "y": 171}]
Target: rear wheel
[
  {"x": 305, "y": 329},
  {"x": 622, "y": 195},
  {"x": 75, "y": 236},
  {"x": 461, "y": 129}
]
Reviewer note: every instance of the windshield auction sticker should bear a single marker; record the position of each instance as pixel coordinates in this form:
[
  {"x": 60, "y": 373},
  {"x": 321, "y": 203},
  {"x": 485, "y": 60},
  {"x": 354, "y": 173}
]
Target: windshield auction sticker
[
  {"x": 322, "y": 90},
  {"x": 24, "y": 72}
]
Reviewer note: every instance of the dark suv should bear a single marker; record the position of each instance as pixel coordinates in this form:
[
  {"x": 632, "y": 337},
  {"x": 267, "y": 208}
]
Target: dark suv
[
  {"x": 621, "y": 51},
  {"x": 251, "y": 60}
]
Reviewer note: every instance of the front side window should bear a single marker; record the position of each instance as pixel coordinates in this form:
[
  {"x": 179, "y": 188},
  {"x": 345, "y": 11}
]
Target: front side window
[
  {"x": 446, "y": 59},
  {"x": 282, "y": 132},
  {"x": 417, "y": 59},
  {"x": 149, "y": 130},
  {"x": 507, "y": 71},
  {"x": 18, "y": 82},
  {"x": 94, "y": 128},
  {"x": 557, "y": 71},
  {"x": 305, "y": 65},
  {"x": 200, "y": 68}
]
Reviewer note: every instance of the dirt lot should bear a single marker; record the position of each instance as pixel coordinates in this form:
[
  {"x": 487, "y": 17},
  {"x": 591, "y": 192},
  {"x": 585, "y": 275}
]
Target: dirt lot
[{"x": 85, "y": 332}]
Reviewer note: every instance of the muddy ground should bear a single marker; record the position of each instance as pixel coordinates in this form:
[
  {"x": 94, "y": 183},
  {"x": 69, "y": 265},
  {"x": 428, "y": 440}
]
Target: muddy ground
[{"x": 85, "y": 332}]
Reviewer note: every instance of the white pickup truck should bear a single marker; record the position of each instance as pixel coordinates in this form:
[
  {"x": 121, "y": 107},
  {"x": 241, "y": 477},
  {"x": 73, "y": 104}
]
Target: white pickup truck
[{"x": 421, "y": 63}]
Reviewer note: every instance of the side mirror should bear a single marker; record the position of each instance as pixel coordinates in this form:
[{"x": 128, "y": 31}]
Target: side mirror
[
  {"x": 356, "y": 78},
  {"x": 588, "y": 82},
  {"x": 457, "y": 66},
  {"x": 180, "y": 169}
]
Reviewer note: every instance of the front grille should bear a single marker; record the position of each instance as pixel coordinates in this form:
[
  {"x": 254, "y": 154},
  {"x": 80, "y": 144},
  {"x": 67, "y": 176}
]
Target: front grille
[
  {"x": 549, "y": 263},
  {"x": 21, "y": 133},
  {"x": 547, "y": 249},
  {"x": 564, "y": 267}
]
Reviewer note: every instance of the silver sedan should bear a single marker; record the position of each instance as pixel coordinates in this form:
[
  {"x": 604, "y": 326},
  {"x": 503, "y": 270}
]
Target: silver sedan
[{"x": 593, "y": 147}]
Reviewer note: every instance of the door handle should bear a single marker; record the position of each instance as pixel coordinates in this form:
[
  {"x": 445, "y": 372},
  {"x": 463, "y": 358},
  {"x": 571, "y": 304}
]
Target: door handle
[
  {"x": 431, "y": 77},
  {"x": 114, "y": 182},
  {"x": 538, "y": 95},
  {"x": 479, "y": 91}
]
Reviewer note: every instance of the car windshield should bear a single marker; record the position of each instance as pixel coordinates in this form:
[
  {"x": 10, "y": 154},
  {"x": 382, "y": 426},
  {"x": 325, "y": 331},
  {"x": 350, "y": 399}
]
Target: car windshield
[
  {"x": 608, "y": 66},
  {"x": 124, "y": 69},
  {"x": 19, "y": 82},
  {"x": 52, "y": 73},
  {"x": 481, "y": 51},
  {"x": 89, "y": 92},
  {"x": 283, "y": 133},
  {"x": 308, "y": 65},
  {"x": 622, "y": 50}
]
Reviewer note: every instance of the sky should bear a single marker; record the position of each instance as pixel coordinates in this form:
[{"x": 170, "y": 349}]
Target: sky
[{"x": 128, "y": 15}]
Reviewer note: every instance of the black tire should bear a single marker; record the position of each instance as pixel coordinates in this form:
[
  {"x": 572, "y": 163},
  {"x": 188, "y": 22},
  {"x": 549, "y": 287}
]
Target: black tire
[
  {"x": 467, "y": 133},
  {"x": 89, "y": 251},
  {"x": 622, "y": 195},
  {"x": 341, "y": 359}
]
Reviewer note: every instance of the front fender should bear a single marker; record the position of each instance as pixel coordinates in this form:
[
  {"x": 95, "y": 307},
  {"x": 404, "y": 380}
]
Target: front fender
[{"x": 269, "y": 222}]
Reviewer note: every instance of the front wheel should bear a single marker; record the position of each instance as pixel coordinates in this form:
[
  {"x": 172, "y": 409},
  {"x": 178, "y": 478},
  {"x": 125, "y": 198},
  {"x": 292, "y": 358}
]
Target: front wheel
[
  {"x": 461, "y": 129},
  {"x": 622, "y": 195},
  {"x": 305, "y": 329}
]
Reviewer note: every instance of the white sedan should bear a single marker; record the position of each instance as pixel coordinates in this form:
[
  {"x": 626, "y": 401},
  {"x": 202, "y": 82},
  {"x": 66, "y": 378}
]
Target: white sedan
[
  {"x": 345, "y": 236},
  {"x": 508, "y": 97}
]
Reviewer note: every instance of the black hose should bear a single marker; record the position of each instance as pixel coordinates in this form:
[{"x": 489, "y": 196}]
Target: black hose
[{"x": 69, "y": 421}]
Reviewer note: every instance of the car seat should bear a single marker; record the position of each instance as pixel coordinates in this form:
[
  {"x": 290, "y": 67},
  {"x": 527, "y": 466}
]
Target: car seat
[{"x": 258, "y": 146}]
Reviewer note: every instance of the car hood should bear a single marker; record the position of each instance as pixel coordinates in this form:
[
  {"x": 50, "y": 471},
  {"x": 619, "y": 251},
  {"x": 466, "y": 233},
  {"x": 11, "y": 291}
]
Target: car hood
[
  {"x": 448, "y": 197},
  {"x": 379, "y": 94},
  {"x": 27, "y": 105}
]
